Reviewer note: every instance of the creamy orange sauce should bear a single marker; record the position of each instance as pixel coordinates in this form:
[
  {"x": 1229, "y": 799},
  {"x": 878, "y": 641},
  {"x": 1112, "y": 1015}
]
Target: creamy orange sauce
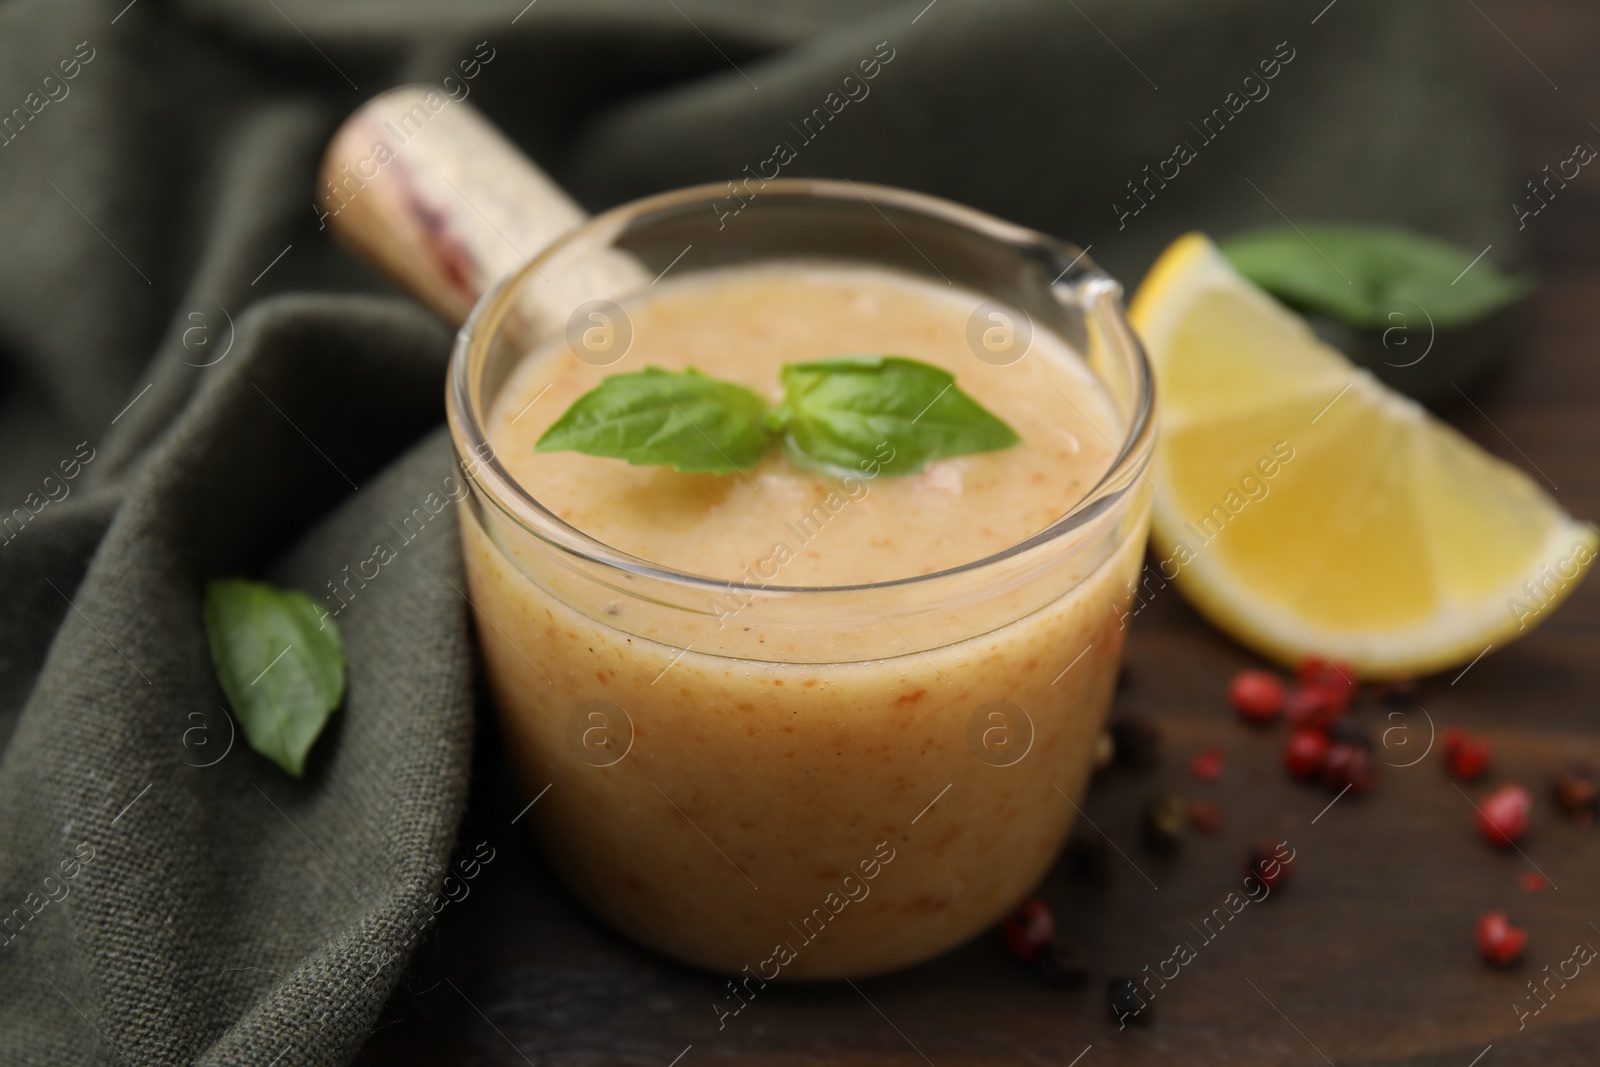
[{"x": 746, "y": 774}]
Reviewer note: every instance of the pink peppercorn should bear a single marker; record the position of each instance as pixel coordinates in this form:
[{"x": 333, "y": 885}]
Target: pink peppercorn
[
  {"x": 1503, "y": 815},
  {"x": 1207, "y": 817},
  {"x": 1258, "y": 696},
  {"x": 1312, "y": 709},
  {"x": 1349, "y": 766},
  {"x": 1030, "y": 929},
  {"x": 1465, "y": 756},
  {"x": 1207, "y": 766},
  {"x": 1304, "y": 753},
  {"x": 1499, "y": 941},
  {"x": 1336, "y": 680}
]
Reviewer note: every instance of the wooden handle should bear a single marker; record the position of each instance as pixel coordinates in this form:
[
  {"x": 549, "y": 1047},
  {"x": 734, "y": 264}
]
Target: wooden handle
[{"x": 424, "y": 188}]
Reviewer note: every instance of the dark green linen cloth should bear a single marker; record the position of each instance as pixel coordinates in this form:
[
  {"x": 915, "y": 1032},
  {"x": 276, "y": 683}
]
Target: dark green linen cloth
[{"x": 198, "y": 383}]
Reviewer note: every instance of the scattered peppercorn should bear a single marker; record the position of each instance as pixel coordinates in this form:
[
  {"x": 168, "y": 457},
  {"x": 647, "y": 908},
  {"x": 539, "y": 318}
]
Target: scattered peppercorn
[
  {"x": 1089, "y": 855},
  {"x": 1124, "y": 1001},
  {"x": 1164, "y": 816},
  {"x": 1577, "y": 791},
  {"x": 1533, "y": 882},
  {"x": 1304, "y": 753},
  {"x": 1503, "y": 815},
  {"x": 1465, "y": 756},
  {"x": 1258, "y": 696},
  {"x": 1029, "y": 929},
  {"x": 1062, "y": 963},
  {"x": 1347, "y": 766},
  {"x": 1345, "y": 732},
  {"x": 1207, "y": 765},
  {"x": 1337, "y": 680},
  {"x": 1268, "y": 863},
  {"x": 1137, "y": 741},
  {"x": 1312, "y": 709},
  {"x": 1499, "y": 941},
  {"x": 1402, "y": 691},
  {"x": 1207, "y": 817}
]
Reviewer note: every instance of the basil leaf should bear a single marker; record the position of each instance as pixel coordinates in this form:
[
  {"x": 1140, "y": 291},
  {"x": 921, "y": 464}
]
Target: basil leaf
[
  {"x": 846, "y": 414},
  {"x": 1359, "y": 274},
  {"x": 282, "y": 668},
  {"x": 685, "y": 421}
]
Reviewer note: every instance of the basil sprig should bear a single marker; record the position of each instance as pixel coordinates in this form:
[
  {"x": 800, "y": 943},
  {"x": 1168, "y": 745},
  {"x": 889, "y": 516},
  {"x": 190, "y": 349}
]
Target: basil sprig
[
  {"x": 836, "y": 415},
  {"x": 1359, "y": 274}
]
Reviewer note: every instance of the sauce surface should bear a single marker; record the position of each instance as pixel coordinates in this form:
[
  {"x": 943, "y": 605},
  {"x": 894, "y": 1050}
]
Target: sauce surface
[{"x": 781, "y": 524}]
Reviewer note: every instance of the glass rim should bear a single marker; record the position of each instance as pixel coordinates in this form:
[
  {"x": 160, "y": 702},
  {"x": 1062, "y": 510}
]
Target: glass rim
[{"x": 1091, "y": 284}]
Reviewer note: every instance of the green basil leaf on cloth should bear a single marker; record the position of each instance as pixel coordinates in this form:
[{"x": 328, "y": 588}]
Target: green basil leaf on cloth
[
  {"x": 281, "y": 662},
  {"x": 118, "y": 741}
]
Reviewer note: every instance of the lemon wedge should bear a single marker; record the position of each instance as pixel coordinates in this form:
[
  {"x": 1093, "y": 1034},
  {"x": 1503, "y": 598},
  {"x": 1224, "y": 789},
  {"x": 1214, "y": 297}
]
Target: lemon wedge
[{"x": 1307, "y": 510}]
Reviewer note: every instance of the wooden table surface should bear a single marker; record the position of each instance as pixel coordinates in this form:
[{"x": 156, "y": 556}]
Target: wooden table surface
[{"x": 1367, "y": 958}]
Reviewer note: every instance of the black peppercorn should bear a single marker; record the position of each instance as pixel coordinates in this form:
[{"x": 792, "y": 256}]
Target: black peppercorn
[
  {"x": 1124, "y": 1001},
  {"x": 1268, "y": 862},
  {"x": 1164, "y": 817},
  {"x": 1401, "y": 692},
  {"x": 1577, "y": 791},
  {"x": 1062, "y": 963},
  {"x": 1089, "y": 855},
  {"x": 1344, "y": 732},
  {"x": 1138, "y": 741}
]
